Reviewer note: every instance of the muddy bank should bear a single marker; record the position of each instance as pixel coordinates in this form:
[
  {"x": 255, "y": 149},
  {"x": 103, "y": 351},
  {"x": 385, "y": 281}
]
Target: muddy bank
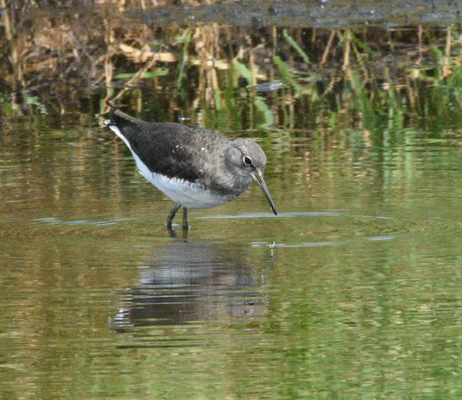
[{"x": 312, "y": 14}]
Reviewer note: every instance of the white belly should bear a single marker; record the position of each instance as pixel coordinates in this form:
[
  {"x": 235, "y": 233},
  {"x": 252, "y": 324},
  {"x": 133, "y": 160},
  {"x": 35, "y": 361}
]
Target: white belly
[
  {"x": 185, "y": 193},
  {"x": 189, "y": 195}
]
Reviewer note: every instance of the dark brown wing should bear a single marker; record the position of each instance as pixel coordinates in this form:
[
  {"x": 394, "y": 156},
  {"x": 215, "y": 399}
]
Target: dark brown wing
[{"x": 173, "y": 150}]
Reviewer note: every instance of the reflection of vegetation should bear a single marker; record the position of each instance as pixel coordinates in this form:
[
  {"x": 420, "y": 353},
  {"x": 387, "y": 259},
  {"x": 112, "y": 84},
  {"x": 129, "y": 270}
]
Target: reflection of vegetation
[{"x": 330, "y": 78}]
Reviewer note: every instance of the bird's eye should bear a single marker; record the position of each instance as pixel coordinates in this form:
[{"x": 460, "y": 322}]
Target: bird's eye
[{"x": 247, "y": 160}]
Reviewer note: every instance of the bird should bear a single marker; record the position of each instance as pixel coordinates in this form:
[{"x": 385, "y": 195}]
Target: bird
[{"x": 195, "y": 167}]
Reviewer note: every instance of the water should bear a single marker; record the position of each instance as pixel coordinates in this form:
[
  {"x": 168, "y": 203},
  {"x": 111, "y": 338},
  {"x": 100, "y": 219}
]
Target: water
[{"x": 351, "y": 292}]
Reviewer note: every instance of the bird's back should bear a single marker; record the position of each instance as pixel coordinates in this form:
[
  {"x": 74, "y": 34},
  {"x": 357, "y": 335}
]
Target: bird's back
[{"x": 173, "y": 150}]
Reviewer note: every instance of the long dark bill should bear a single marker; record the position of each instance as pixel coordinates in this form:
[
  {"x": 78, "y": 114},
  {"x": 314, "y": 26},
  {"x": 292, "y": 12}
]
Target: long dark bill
[{"x": 258, "y": 176}]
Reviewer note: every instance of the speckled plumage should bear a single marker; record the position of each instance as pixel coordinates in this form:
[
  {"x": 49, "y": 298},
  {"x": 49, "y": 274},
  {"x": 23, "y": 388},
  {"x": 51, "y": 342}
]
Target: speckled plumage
[{"x": 195, "y": 167}]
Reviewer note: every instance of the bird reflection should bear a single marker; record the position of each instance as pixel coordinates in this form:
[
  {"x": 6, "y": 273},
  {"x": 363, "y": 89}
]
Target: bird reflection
[{"x": 192, "y": 282}]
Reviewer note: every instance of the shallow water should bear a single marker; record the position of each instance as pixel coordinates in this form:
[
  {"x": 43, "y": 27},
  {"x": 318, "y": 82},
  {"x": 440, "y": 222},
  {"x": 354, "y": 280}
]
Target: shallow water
[{"x": 352, "y": 291}]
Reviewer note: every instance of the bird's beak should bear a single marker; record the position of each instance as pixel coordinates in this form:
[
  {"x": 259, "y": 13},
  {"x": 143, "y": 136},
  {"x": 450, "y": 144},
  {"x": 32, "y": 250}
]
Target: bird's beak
[{"x": 258, "y": 176}]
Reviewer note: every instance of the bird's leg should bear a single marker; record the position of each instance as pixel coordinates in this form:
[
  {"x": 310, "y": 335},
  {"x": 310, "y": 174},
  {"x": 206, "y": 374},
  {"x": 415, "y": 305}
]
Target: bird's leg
[
  {"x": 185, "y": 219},
  {"x": 171, "y": 215}
]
